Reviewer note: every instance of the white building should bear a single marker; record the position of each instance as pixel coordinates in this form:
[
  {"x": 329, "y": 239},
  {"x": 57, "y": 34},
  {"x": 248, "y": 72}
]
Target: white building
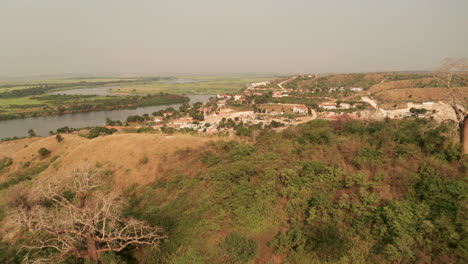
[
  {"x": 328, "y": 106},
  {"x": 356, "y": 89},
  {"x": 190, "y": 126},
  {"x": 223, "y": 96},
  {"x": 303, "y": 110},
  {"x": 345, "y": 106},
  {"x": 257, "y": 84}
]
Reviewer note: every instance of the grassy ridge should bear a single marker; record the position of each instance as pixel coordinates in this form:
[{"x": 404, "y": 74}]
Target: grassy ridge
[
  {"x": 322, "y": 192},
  {"x": 325, "y": 192}
]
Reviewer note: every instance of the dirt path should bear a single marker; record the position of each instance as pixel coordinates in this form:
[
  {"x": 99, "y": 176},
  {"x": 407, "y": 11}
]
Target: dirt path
[
  {"x": 280, "y": 85},
  {"x": 442, "y": 111},
  {"x": 304, "y": 119}
]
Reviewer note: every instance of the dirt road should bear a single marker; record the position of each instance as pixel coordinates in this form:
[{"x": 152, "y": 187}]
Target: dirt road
[{"x": 280, "y": 85}]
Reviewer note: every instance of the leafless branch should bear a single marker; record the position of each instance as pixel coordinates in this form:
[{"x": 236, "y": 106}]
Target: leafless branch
[{"x": 85, "y": 225}]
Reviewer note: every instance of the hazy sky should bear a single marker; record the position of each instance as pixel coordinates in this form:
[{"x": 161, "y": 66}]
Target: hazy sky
[{"x": 236, "y": 36}]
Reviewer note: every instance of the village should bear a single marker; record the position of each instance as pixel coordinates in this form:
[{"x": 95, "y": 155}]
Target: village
[{"x": 268, "y": 104}]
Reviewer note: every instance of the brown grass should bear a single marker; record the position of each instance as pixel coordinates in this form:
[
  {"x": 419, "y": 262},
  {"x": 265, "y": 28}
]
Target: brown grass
[
  {"x": 399, "y": 84},
  {"x": 123, "y": 154},
  {"x": 396, "y": 96},
  {"x": 8, "y": 148}
]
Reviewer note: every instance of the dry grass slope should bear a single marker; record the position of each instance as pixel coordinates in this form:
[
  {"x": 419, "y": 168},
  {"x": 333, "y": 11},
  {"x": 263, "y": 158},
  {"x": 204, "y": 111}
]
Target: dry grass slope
[
  {"x": 134, "y": 158},
  {"x": 395, "y": 96},
  {"x": 399, "y": 84}
]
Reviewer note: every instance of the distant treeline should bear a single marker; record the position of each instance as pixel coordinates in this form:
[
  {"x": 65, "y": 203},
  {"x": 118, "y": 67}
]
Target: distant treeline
[
  {"x": 65, "y": 104},
  {"x": 43, "y": 88},
  {"x": 27, "y": 91}
]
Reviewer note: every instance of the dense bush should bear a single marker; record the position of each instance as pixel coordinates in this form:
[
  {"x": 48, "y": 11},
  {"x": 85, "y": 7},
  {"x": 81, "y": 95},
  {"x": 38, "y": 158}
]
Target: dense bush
[
  {"x": 239, "y": 249},
  {"x": 322, "y": 192},
  {"x": 44, "y": 152},
  {"x": 5, "y": 162},
  {"x": 98, "y": 131},
  {"x": 59, "y": 138},
  {"x": 135, "y": 119},
  {"x": 24, "y": 175}
]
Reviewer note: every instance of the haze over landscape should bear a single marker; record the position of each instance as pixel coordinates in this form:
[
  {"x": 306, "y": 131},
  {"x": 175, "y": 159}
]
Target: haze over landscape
[
  {"x": 236, "y": 132},
  {"x": 219, "y": 37}
]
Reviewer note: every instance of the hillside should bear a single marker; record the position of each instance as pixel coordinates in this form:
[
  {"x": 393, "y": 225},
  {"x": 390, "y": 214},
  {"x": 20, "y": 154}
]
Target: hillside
[
  {"x": 133, "y": 158},
  {"x": 389, "y": 98},
  {"x": 322, "y": 192}
]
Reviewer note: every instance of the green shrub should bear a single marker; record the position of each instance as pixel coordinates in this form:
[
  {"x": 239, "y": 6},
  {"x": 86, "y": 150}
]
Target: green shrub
[
  {"x": 241, "y": 151},
  {"x": 185, "y": 255},
  {"x": 9, "y": 254},
  {"x": 135, "y": 118},
  {"x": 368, "y": 158},
  {"x": 26, "y": 164},
  {"x": 111, "y": 258},
  {"x": 210, "y": 159},
  {"x": 24, "y": 175},
  {"x": 317, "y": 132},
  {"x": 44, "y": 152},
  {"x": 146, "y": 130},
  {"x": 98, "y": 131},
  {"x": 293, "y": 240},
  {"x": 59, "y": 138},
  {"x": 144, "y": 160},
  {"x": 239, "y": 248},
  {"x": 5, "y": 163},
  {"x": 31, "y": 133}
]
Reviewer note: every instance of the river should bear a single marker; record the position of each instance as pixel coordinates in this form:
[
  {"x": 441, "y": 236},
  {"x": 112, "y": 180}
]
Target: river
[{"x": 42, "y": 125}]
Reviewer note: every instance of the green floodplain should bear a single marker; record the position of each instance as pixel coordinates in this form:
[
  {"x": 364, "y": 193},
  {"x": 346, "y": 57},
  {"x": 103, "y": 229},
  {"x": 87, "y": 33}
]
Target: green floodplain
[{"x": 26, "y": 98}]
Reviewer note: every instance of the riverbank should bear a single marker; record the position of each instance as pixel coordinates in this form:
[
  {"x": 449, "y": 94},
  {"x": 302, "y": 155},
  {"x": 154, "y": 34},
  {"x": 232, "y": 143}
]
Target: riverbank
[
  {"x": 48, "y": 105},
  {"x": 43, "y": 124}
]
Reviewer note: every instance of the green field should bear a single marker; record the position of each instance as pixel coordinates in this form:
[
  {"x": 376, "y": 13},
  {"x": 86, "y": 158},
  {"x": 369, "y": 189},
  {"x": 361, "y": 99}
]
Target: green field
[
  {"x": 22, "y": 98},
  {"x": 202, "y": 85}
]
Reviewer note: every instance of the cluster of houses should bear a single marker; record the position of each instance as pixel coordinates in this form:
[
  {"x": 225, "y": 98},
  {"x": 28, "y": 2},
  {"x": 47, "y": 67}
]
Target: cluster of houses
[
  {"x": 212, "y": 119},
  {"x": 302, "y": 110},
  {"x": 333, "y": 106},
  {"x": 258, "y": 84},
  {"x": 279, "y": 94},
  {"x": 342, "y": 89},
  {"x": 222, "y": 99}
]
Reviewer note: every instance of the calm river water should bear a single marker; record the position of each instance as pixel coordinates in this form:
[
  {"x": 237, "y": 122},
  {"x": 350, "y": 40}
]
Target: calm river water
[{"x": 42, "y": 125}]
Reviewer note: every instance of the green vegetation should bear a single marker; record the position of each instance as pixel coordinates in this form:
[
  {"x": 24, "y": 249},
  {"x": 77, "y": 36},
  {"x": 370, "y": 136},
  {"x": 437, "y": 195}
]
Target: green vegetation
[
  {"x": 21, "y": 89},
  {"x": 20, "y": 100},
  {"x": 239, "y": 249},
  {"x": 5, "y": 163},
  {"x": 322, "y": 192},
  {"x": 44, "y": 152},
  {"x": 325, "y": 82},
  {"x": 59, "y": 138},
  {"x": 418, "y": 111},
  {"x": 62, "y": 104},
  {"x": 24, "y": 175},
  {"x": 99, "y": 131},
  {"x": 199, "y": 85},
  {"x": 31, "y": 133},
  {"x": 327, "y": 183}
]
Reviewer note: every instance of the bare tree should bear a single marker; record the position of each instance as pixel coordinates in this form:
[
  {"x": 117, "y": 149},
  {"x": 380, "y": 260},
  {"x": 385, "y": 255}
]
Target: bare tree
[
  {"x": 75, "y": 216},
  {"x": 449, "y": 68}
]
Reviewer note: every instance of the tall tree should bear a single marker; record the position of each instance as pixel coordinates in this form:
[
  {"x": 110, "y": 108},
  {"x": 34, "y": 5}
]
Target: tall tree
[
  {"x": 449, "y": 68},
  {"x": 31, "y": 133},
  {"x": 76, "y": 216}
]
